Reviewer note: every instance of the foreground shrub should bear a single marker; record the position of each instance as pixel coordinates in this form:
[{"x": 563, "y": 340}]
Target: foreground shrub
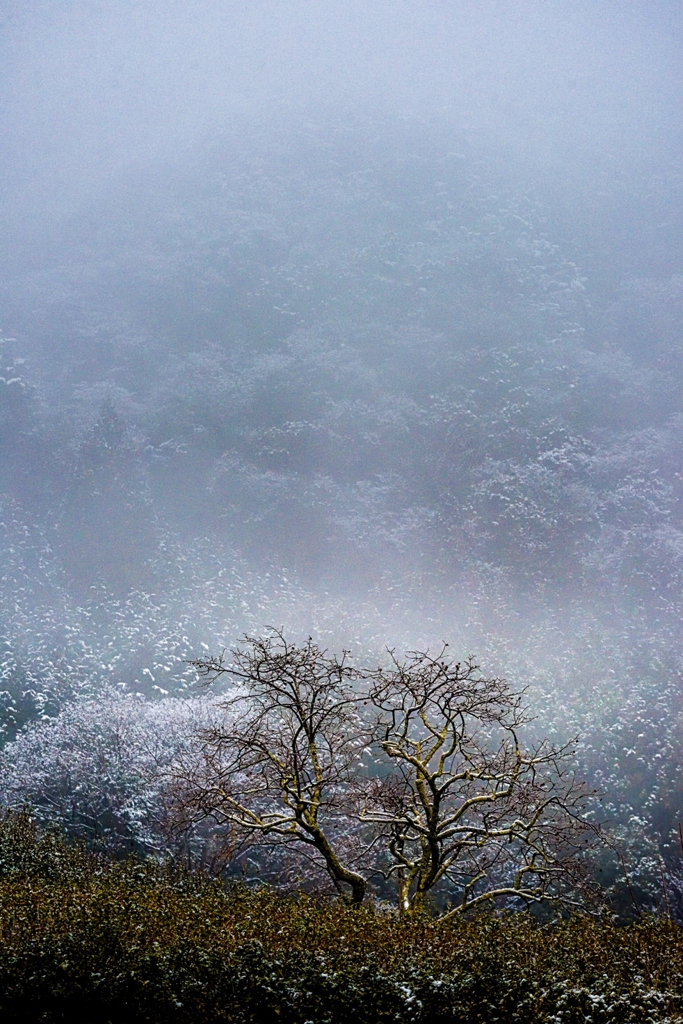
[{"x": 84, "y": 938}]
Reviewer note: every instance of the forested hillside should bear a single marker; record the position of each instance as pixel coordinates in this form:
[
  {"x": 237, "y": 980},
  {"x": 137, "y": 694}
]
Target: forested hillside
[{"x": 377, "y": 380}]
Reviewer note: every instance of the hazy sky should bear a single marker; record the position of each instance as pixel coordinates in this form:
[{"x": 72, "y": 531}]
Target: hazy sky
[{"x": 89, "y": 86}]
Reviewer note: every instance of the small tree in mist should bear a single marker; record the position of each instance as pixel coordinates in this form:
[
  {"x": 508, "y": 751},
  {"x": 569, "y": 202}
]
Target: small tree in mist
[{"x": 413, "y": 773}]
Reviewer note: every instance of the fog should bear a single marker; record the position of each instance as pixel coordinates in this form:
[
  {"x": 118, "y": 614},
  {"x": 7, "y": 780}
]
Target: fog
[
  {"x": 89, "y": 89},
  {"x": 363, "y": 320}
]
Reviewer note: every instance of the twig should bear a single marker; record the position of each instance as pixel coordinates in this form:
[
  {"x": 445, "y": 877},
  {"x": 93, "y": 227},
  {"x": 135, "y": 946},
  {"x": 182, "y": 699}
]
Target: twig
[
  {"x": 666, "y": 893},
  {"x": 628, "y": 883}
]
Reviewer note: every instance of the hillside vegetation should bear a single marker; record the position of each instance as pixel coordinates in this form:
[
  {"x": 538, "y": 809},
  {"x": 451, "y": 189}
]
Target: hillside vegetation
[{"x": 132, "y": 942}]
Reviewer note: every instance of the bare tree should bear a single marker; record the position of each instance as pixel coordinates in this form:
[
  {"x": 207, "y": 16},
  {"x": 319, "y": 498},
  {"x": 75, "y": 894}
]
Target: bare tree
[
  {"x": 415, "y": 772},
  {"x": 279, "y": 774},
  {"x": 458, "y": 803}
]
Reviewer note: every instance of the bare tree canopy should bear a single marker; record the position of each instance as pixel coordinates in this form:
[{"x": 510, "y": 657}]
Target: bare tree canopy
[
  {"x": 282, "y": 772},
  {"x": 413, "y": 776},
  {"x": 462, "y": 803}
]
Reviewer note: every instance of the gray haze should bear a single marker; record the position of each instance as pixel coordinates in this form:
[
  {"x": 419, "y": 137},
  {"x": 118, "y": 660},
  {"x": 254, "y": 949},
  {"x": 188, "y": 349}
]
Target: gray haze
[
  {"x": 89, "y": 89},
  {"x": 361, "y": 319}
]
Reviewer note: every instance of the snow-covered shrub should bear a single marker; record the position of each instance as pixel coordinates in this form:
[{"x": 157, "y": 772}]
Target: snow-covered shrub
[{"x": 101, "y": 770}]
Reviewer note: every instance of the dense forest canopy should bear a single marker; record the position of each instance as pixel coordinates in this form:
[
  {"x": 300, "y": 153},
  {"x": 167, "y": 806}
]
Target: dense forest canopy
[{"x": 386, "y": 376}]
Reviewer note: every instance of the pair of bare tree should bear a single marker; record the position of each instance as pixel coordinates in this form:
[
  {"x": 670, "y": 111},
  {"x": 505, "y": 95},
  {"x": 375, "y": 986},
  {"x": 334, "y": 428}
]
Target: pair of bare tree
[{"x": 411, "y": 775}]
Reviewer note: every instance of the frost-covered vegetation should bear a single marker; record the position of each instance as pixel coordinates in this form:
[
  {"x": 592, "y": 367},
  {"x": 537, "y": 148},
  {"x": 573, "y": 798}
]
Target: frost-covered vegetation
[
  {"x": 310, "y": 377},
  {"x": 101, "y": 769},
  {"x": 342, "y": 349}
]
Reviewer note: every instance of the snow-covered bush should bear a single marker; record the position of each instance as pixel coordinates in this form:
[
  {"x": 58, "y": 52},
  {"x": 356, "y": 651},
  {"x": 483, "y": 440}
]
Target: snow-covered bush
[{"x": 101, "y": 770}]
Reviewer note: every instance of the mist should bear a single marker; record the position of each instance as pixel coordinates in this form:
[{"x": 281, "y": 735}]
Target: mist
[{"x": 363, "y": 321}]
